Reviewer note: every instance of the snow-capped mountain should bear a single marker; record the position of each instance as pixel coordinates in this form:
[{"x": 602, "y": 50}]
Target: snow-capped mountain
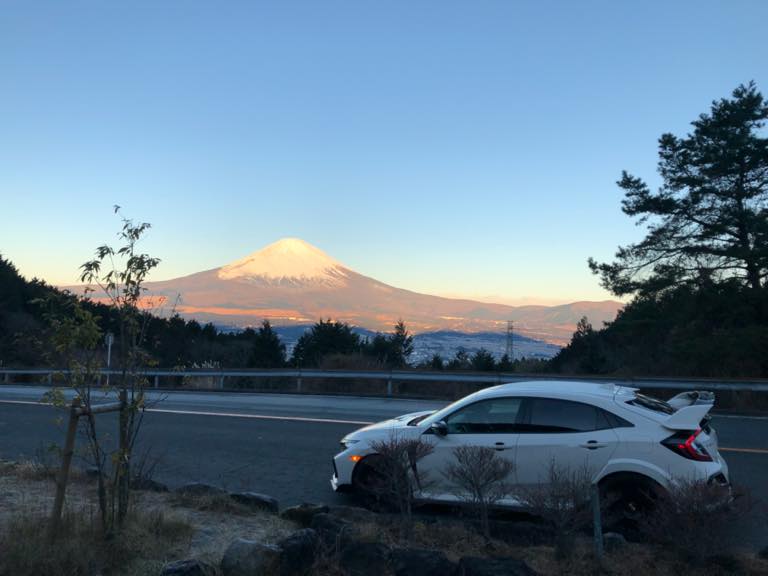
[
  {"x": 293, "y": 282},
  {"x": 289, "y": 261}
]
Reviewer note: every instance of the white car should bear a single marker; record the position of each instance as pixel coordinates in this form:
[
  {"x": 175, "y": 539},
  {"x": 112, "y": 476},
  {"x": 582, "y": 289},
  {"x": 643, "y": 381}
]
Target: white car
[{"x": 628, "y": 443}]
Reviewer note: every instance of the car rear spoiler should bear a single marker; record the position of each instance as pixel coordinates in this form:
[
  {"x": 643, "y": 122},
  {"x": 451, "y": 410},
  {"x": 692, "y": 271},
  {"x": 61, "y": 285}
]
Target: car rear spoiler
[
  {"x": 690, "y": 398},
  {"x": 688, "y": 417}
]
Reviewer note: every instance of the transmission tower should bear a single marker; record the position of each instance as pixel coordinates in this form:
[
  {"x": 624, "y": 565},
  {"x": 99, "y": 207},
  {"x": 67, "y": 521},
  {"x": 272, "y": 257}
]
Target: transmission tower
[{"x": 510, "y": 351}]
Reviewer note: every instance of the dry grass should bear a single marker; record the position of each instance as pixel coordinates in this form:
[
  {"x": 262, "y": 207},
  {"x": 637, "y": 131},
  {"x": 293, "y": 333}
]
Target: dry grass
[
  {"x": 221, "y": 503},
  {"x": 635, "y": 560},
  {"x": 161, "y": 528},
  {"x": 80, "y": 550},
  {"x": 457, "y": 540}
]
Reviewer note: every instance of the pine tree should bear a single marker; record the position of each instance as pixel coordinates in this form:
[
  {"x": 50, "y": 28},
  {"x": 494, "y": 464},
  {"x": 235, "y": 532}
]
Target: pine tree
[
  {"x": 709, "y": 220},
  {"x": 267, "y": 350}
]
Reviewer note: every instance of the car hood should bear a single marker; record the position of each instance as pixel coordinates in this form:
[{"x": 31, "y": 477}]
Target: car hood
[{"x": 379, "y": 428}]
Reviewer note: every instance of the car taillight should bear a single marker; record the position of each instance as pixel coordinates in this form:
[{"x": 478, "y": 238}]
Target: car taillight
[{"x": 684, "y": 443}]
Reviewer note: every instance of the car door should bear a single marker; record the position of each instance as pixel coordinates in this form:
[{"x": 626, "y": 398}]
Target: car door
[
  {"x": 564, "y": 437},
  {"x": 491, "y": 423}
]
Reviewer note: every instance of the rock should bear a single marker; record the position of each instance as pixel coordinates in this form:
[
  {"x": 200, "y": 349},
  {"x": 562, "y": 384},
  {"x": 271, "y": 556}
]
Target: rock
[
  {"x": 189, "y": 568},
  {"x": 408, "y": 561},
  {"x": 470, "y": 566},
  {"x": 202, "y": 537},
  {"x": 298, "y": 553},
  {"x": 364, "y": 559},
  {"x": 613, "y": 541},
  {"x": 148, "y": 485},
  {"x": 200, "y": 489},
  {"x": 730, "y": 563},
  {"x": 256, "y": 501},
  {"x": 249, "y": 558},
  {"x": 352, "y": 513},
  {"x": 303, "y": 513},
  {"x": 333, "y": 532},
  {"x": 522, "y": 533}
]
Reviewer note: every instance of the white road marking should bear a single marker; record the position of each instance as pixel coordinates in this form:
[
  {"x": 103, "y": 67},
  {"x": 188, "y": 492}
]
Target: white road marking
[
  {"x": 260, "y": 416},
  {"x": 737, "y": 417},
  {"x": 746, "y": 450},
  {"x": 225, "y": 414}
]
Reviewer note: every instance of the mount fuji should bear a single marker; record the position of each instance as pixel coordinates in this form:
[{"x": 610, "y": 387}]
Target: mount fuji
[{"x": 292, "y": 282}]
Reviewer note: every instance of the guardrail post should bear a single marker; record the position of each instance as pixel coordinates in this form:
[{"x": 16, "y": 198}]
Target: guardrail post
[
  {"x": 6, "y": 378},
  {"x": 389, "y": 384},
  {"x": 49, "y": 378},
  {"x": 157, "y": 380},
  {"x": 298, "y": 383},
  {"x": 221, "y": 382}
]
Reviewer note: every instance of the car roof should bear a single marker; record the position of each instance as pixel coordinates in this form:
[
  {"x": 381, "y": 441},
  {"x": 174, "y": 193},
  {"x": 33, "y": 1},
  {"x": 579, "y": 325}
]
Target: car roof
[{"x": 604, "y": 390}]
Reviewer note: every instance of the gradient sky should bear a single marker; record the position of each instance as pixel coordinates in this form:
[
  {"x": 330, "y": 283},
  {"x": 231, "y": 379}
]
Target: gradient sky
[{"x": 448, "y": 147}]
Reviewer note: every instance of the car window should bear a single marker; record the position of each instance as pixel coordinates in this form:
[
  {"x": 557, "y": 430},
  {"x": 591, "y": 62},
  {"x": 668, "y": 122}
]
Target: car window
[
  {"x": 616, "y": 421},
  {"x": 497, "y": 415},
  {"x": 547, "y": 415}
]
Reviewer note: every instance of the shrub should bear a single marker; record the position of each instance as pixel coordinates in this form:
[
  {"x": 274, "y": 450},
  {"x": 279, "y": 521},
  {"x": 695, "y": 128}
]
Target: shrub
[
  {"x": 396, "y": 476},
  {"x": 480, "y": 475},
  {"x": 698, "y": 520},
  {"x": 563, "y": 500}
]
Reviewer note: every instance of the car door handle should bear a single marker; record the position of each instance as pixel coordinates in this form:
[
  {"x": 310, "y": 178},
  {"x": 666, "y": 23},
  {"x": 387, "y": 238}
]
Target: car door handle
[
  {"x": 593, "y": 445},
  {"x": 499, "y": 446}
]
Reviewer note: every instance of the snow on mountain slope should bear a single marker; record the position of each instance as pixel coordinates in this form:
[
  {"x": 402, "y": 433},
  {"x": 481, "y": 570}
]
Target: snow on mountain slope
[{"x": 290, "y": 260}]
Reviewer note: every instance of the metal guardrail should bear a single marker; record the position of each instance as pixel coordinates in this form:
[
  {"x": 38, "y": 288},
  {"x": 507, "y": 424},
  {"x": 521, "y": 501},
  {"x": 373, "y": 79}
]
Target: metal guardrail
[{"x": 391, "y": 376}]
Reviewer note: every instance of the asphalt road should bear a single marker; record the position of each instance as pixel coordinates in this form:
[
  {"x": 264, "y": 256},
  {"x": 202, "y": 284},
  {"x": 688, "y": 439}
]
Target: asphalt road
[{"x": 282, "y": 444}]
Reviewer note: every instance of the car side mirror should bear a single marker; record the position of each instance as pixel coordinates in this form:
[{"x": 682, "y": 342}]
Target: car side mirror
[{"x": 440, "y": 428}]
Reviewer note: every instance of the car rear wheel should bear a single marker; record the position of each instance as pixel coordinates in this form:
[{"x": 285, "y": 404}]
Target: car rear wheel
[{"x": 625, "y": 502}]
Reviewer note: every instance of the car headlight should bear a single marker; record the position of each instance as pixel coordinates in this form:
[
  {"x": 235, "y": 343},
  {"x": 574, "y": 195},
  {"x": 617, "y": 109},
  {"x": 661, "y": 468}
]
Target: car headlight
[{"x": 347, "y": 442}]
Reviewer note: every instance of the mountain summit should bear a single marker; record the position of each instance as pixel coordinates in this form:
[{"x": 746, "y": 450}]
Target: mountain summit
[{"x": 287, "y": 261}]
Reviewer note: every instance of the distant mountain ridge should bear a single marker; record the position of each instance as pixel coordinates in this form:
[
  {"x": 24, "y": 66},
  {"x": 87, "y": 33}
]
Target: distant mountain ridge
[{"x": 292, "y": 282}]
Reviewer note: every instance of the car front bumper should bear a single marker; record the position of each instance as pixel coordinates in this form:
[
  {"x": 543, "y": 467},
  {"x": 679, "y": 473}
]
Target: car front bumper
[{"x": 343, "y": 468}]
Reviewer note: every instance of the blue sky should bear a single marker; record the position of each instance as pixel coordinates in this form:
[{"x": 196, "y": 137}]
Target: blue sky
[{"x": 447, "y": 147}]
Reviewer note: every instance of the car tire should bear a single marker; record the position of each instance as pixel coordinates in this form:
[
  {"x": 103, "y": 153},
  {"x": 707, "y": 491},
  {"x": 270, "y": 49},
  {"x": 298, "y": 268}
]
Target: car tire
[
  {"x": 625, "y": 502},
  {"x": 366, "y": 481}
]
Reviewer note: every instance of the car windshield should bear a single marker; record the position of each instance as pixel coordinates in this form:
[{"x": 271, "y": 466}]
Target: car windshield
[
  {"x": 651, "y": 404},
  {"x": 418, "y": 419},
  {"x": 450, "y": 408}
]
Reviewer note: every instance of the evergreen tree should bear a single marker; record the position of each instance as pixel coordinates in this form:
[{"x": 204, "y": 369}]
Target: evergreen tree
[
  {"x": 436, "y": 362},
  {"x": 505, "y": 364},
  {"x": 483, "y": 361},
  {"x": 267, "y": 351},
  {"x": 324, "y": 338},
  {"x": 401, "y": 345},
  {"x": 391, "y": 350},
  {"x": 460, "y": 361},
  {"x": 709, "y": 220}
]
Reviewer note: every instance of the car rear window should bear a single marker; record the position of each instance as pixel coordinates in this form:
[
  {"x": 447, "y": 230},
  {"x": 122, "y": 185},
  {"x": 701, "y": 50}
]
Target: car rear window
[
  {"x": 651, "y": 403},
  {"x": 552, "y": 415}
]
